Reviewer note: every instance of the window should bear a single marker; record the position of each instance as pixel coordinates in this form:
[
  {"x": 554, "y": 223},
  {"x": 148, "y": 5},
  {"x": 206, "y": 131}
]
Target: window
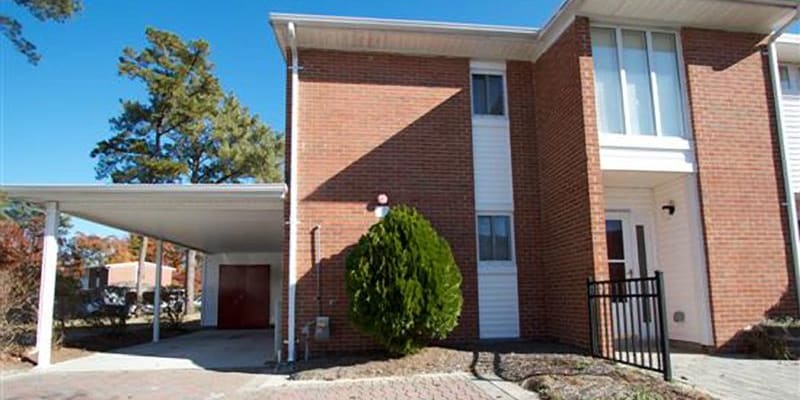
[
  {"x": 494, "y": 238},
  {"x": 637, "y": 82},
  {"x": 786, "y": 81},
  {"x": 615, "y": 247},
  {"x": 487, "y": 94}
]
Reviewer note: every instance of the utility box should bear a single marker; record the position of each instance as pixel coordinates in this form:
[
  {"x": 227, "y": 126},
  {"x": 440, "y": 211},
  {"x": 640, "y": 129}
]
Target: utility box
[{"x": 322, "y": 328}]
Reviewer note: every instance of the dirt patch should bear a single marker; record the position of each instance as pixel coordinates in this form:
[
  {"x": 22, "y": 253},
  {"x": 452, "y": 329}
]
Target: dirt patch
[
  {"x": 576, "y": 377},
  {"x": 377, "y": 364},
  {"x": 553, "y": 372}
]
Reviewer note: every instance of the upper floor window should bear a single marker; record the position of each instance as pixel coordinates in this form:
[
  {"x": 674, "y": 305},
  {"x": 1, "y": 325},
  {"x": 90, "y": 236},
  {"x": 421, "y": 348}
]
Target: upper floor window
[
  {"x": 786, "y": 80},
  {"x": 494, "y": 238},
  {"x": 637, "y": 82},
  {"x": 487, "y": 94}
]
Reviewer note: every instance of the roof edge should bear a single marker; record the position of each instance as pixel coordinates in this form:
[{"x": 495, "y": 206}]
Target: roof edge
[{"x": 399, "y": 24}]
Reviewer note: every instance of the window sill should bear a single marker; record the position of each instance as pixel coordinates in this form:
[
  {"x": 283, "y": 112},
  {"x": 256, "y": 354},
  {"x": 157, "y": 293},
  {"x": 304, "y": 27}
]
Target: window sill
[
  {"x": 490, "y": 121},
  {"x": 497, "y": 267},
  {"x": 644, "y": 142}
]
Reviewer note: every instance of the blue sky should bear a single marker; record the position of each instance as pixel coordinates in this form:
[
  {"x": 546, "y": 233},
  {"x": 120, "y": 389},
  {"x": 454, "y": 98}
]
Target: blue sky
[{"x": 52, "y": 115}]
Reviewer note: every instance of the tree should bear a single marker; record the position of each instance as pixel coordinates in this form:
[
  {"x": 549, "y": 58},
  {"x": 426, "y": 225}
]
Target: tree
[
  {"x": 43, "y": 10},
  {"x": 402, "y": 283},
  {"x": 188, "y": 129},
  {"x": 30, "y": 219}
]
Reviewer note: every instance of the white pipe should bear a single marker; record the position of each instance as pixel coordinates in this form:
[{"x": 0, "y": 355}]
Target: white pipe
[
  {"x": 791, "y": 206},
  {"x": 293, "y": 129},
  {"x": 47, "y": 287},
  {"x": 157, "y": 292}
]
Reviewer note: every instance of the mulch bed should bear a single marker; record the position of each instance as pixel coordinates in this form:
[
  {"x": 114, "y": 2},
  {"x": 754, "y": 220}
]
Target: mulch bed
[{"x": 553, "y": 372}]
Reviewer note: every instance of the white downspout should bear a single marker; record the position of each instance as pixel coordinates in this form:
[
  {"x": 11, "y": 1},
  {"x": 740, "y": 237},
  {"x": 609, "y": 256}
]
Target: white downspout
[
  {"x": 293, "y": 194},
  {"x": 791, "y": 206}
]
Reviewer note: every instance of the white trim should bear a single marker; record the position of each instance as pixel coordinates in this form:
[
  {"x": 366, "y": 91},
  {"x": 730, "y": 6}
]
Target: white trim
[
  {"x": 123, "y": 188},
  {"x": 312, "y": 20},
  {"x": 487, "y": 67},
  {"x": 644, "y": 142}
]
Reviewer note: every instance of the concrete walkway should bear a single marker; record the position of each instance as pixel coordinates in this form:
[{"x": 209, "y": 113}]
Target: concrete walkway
[
  {"x": 207, "y": 349},
  {"x": 738, "y": 378}
]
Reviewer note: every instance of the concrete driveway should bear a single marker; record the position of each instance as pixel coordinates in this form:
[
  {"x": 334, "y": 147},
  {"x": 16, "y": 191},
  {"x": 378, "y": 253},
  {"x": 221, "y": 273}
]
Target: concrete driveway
[{"x": 207, "y": 349}]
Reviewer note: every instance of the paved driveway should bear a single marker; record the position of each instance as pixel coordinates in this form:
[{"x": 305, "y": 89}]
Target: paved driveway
[
  {"x": 206, "y": 349},
  {"x": 738, "y": 378}
]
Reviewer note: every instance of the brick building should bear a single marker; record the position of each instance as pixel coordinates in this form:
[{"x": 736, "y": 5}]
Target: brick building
[{"x": 611, "y": 143}]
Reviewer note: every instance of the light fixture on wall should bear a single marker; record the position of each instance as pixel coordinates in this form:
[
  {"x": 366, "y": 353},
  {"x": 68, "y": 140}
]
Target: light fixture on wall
[
  {"x": 382, "y": 208},
  {"x": 669, "y": 208}
]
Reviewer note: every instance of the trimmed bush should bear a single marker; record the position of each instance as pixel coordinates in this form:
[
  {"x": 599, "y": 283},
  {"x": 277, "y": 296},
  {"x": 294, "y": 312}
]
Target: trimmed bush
[{"x": 403, "y": 284}]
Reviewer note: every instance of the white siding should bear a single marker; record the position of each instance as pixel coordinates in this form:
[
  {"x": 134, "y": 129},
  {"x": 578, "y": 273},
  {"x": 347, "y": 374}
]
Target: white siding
[
  {"x": 497, "y": 294},
  {"x": 675, "y": 246},
  {"x": 491, "y": 152},
  {"x": 492, "y": 158},
  {"x": 791, "y": 126},
  {"x": 682, "y": 258},
  {"x": 211, "y": 281}
]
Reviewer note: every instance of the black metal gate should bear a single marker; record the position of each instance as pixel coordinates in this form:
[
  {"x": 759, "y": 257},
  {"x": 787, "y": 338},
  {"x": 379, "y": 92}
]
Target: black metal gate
[{"x": 627, "y": 322}]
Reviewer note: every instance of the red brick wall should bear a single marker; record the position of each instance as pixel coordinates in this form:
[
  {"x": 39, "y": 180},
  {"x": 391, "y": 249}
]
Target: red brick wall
[
  {"x": 522, "y": 134},
  {"x": 740, "y": 180},
  {"x": 374, "y": 123},
  {"x": 570, "y": 188}
]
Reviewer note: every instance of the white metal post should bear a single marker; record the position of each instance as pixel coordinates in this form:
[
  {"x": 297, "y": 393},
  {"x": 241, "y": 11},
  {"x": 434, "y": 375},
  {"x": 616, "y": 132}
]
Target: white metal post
[
  {"x": 157, "y": 292},
  {"x": 47, "y": 287}
]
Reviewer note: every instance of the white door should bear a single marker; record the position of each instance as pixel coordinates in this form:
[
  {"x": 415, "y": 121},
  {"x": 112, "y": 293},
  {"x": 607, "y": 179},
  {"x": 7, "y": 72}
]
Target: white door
[{"x": 628, "y": 254}]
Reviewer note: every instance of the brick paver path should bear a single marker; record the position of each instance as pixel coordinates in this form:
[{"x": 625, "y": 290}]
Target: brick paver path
[
  {"x": 733, "y": 378},
  {"x": 205, "y": 384}
]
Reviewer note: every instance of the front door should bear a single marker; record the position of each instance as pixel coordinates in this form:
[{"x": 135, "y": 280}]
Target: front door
[
  {"x": 627, "y": 246},
  {"x": 243, "y": 296}
]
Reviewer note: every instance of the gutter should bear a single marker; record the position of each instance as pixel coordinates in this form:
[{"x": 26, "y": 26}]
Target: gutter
[
  {"x": 293, "y": 193},
  {"x": 791, "y": 204}
]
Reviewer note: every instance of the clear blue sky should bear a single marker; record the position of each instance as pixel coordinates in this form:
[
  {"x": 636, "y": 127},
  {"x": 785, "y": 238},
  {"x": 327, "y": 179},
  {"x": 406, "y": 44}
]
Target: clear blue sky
[{"x": 52, "y": 115}]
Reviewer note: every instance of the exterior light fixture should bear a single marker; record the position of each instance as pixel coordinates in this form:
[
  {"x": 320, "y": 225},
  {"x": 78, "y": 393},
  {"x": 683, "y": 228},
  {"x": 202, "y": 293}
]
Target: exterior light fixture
[
  {"x": 669, "y": 208},
  {"x": 382, "y": 208}
]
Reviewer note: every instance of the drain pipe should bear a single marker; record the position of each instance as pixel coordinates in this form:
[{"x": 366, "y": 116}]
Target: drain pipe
[
  {"x": 791, "y": 206},
  {"x": 293, "y": 194},
  {"x": 318, "y": 264}
]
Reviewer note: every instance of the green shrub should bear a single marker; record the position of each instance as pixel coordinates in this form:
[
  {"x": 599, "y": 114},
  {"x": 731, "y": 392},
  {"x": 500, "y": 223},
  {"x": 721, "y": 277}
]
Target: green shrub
[{"x": 403, "y": 285}]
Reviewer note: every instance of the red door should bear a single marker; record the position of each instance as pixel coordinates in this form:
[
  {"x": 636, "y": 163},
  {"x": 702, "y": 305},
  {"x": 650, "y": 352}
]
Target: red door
[{"x": 243, "y": 296}]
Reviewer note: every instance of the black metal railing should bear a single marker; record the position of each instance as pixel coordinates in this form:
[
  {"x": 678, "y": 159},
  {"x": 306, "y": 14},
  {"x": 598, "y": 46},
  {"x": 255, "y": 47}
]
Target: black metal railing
[{"x": 627, "y": 322}]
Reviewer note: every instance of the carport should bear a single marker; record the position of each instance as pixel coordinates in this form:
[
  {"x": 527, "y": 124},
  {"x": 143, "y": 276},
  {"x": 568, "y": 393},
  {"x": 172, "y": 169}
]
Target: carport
[{"x": 238, "y": 226}]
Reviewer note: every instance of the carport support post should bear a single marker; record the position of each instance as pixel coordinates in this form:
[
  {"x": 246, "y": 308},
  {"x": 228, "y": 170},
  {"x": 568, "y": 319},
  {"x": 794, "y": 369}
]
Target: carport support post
[
  {"x": 47, "y": 287},
  {"x": 157, "y": 292}
]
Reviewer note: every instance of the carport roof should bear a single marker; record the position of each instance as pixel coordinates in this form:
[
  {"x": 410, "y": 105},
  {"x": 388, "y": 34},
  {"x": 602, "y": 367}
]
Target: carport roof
[{"x": 209, "y": 218}]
